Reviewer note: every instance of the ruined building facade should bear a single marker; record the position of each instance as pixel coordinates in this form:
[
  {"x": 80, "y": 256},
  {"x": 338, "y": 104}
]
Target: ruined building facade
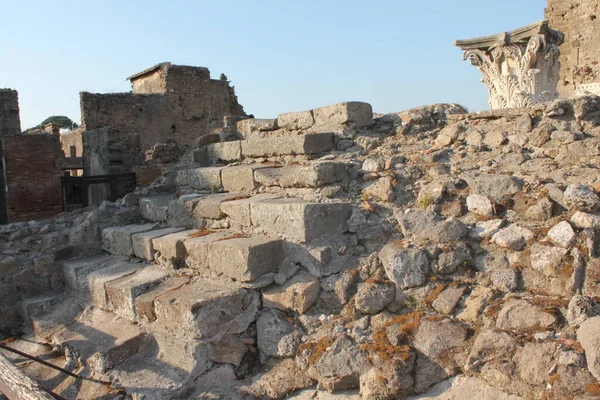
[
  {"x": 168, "y": 102},
  {"x": 578, "y": 21}
]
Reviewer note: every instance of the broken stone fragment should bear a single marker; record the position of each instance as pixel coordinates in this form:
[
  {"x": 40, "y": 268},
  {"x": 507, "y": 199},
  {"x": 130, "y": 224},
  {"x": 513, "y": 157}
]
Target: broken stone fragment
[
  {"x": 588, "y": 335},
  {"x": 505, "y": 280},
  {"x": 298, "y": 294},
  {"x": 373, "y": 297},
  {"x": 427, "y": 226},
  {"x": 519, "y": 315},
  {"x": 562, "y": 234},
  {"x": 382, "y": 189},
  {"x": 373, "y": 164},
  {"x": 405, "y": 267},
  {"x": 480, "y": 205},
  {"x": 341, "y": 365},
  {"x": 580, "y": 309},
  {"x": 546, "y": 259},
  {"x": 581, "y": 198},
  {"x": 276, "y": 337},
  {"x": 585, "y": 220},
  {"x": 446, "y": 302},
  {"x": 514, "y": 237},
  {"x": 494, "y": 186}
]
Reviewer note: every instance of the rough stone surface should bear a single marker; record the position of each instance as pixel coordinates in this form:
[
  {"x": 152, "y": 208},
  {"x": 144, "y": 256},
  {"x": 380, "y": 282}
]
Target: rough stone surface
[
  {"x": 298, "y": 294},
  {"x": 373, "y": 297},
  {"x": 481, "y": 205},
  {"x": 562, "y": 234},
  {"x": 522, "y": 316},
  {"x": 405, "y": 267},
  {"x": 581, "y": 198},
  {"x": 514, "y": 237},
  {"x": 588, "y": 335},
  {"x": 275, "y": 336}
]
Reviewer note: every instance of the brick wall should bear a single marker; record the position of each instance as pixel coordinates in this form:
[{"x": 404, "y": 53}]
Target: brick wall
[
  {"x": 10, "y": 123},
  {"x": 579, "y": 20},
  {"x": 33, "y": 174}
]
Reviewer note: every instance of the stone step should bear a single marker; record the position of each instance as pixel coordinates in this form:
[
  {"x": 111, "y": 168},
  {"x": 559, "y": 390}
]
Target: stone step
[
  {"x": 170, "y": 251},
  {"x": 154, "y": 208},
  {"x": 144, "y": 303},
  {"x": 142, "y": 242},
  {"x": 314, "y": 175},
  {"x": 204, "y": 309},
  {"x": 117, "y": 240},
  {"x": 122, "y": 293},
  {"x": 293, "y": 219},
  {"x": 101, "y": 339},
  {"x": 239, "y": 258},
  {"x": 264, "y": 147},
  {"x": 75, "y": 270},
  {"x": 97, "y": 280},
  {"x": 192, "y": 210},
  {"x": 49, "y": 313}
]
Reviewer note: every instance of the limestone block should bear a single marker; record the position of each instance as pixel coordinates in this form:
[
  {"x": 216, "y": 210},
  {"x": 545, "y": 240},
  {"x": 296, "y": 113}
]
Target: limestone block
[
  {"x": 278, "y": 146},
  {"x": 585, "y": 220},
  {"x": 245, "y": 259},
  {"x": 254, "y": 128},
  {"x": 144, "y": 303},
  {"x": 298, "y": 294},
  {"x": 122, "y": 293},
  {"x": 117, "y": 240},
  {"x": 210, "y": 206},
  {"x": 170, "y": 250},
  {"x": 300, "y": 176},
  {"x": 513, "y": 237},
  {"x": 197, "y": 249},
  {"x": 75, "y": 270},
  {"x": 239, "y": 210},
  {"x": 204, "y": 309},
  {"x": 241, "y": 178},
  {"x": 208, "y": 178},
  {"x": 155, "y": 208},
  {"x": 222, "y": 151},
  {"x": 142, "y": 242},
  {"x": 181, "y": 210},
  {"x": 97, "y": 280},
  {"x": 296, "y": 120},
  {"x": 343, "y": 113},
  {"x": 299, "y": 220}
]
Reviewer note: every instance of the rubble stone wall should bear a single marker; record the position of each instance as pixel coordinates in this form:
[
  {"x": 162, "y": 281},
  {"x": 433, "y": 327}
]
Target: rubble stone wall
[
  {"x": 33, "y": 174},
  {"x": 578, "y": 20},
  {"x": 10, "y": 123}
]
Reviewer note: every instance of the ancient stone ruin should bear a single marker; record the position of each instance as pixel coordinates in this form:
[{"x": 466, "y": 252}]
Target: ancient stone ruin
[
  {"x": 333, "y": 253},
  {"x": 520, "y": 68}
]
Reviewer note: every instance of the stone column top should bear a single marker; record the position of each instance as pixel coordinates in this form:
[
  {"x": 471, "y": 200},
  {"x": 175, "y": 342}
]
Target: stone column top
[{"x": 519, "y": 35}]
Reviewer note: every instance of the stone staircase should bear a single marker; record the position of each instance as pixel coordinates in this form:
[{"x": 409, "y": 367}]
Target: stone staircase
[{"x": 176, "y": 295}]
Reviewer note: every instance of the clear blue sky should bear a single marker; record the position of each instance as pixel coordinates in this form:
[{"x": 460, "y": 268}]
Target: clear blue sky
[{"x": 281, "y": 55}]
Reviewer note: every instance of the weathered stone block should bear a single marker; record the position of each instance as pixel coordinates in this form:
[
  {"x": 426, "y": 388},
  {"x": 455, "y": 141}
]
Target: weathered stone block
[
  {"x": 241, "y": 178},
  {"x": 296, "y": 120},
  {"x": 181, "y": 210},
  {"x": 299, "y": 220},
  {"x": 245, "y": 259},
  {"x": 197, "y": 249},
  {"x": 239, "y": 210},
  {"x": 97, "y": 280},
  {"x": 277, "y": 146},
  {"x": 142, "y": 242},
  {"x": 343, "y": 113},
  {"x": 254, "y": 128},
  {"x": 170, "y": 250},
  {"x": 222, "y": 151},
  {"x": 122, "y": 293},
  {"x": 208, "y": 178},
  {"x": 144, "y": 303},
  {"x": 155, "y": 208},
  {"x": 117, "y": 240},
  {"x": 300, "y": 176},
  {"x": 75, "y": 270},
  {"x": 203, "y": 310},
  {"x": 298, "y": 294},
  {"x": 210, "y": 206}
]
